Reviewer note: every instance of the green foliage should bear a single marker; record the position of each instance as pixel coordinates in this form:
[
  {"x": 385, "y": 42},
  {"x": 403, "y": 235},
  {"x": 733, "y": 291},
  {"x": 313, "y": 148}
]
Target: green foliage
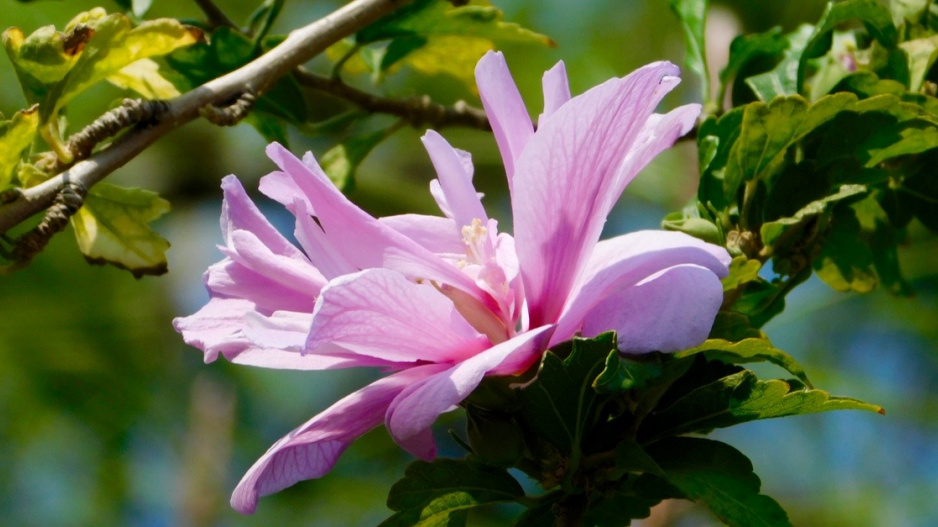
[
  {"x": 720, "y": 477},
  {"x": 439, "y": 493},
  {"x": 113, "y": 227},
  {"x": 16, "y": 136},
  {"x": 693, "y": 17},
  {"x": 747, "y": 351}
]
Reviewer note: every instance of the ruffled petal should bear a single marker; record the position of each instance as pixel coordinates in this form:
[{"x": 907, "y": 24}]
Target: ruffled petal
[
  {"x": 433, "y": 233},
  {"x": 239, "y": 213},
  {"x": 505, "y": 109},
  {"x": 364, "y": 241},
  {"x": 229, "y": 278},
  {"x": 563, "y": 179},
  {"x": 460, "y": 196},
  {"x": 379, "y": 313},
  {"x": 671, "y": 310},
  {"x": 322, "y": 253},
  {"x": 626, "y": 260},
  {"x": 311, "y": 450},
  {"x": 413, "y": 412}
]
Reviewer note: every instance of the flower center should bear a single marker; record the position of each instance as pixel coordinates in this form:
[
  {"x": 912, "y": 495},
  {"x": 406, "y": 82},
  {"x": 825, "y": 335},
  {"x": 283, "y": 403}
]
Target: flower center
[{"x": 475, "y": 237}]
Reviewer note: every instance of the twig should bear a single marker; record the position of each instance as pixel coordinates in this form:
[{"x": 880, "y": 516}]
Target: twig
[
  {"x": 65, "y": 204},
  {"x": 417, "y": 111},
  {"x": 256, "y": 76},
  {"x": 130, "y": 112},
  {"x": 216, "y": 17},
  {"x": 231, "y": 114}
]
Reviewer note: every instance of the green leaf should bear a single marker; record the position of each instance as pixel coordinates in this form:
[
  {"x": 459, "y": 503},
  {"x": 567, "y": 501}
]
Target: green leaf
[
  {"x": 715, "y": 141},
  {"x": 431, "y": 493},
  {"x": 874, "y": 16},
  {"x": 721, "y": 478},
  {"x": 740, "y": 398},
  {"x": 908, "y": 11},
  {"x": 773, "y": 231},
  {"x": 922, "y": 53},
  {"x": 693, "y": 17},
  {"x": 733, "y": 326},
  {"x": 742, "y": 270},
  {"x": 631, "y": 457},
  {"x": 144, "y": 77},
  {"x": 113, "y": 227},
  {"x": 783, "y": 79},
  {"x": 622, "y": 374},
  {"x": 424, "y": 18},
  {"x": 559, "y": 403},
  {"x": 617, "y": 510},
  {"x": 748, "y": 50},
  {"x": 341, "y": 161},
  {"x": 747, "y": 351},
  {"x": 16, "y": 136}
]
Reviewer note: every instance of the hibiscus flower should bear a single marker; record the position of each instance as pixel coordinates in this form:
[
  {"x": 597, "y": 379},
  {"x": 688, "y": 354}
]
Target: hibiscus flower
[{"x": 440, "y": 302}]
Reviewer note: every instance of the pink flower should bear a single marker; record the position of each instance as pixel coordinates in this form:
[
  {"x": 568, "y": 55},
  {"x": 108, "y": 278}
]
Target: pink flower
[{"x": 441, "y": 302}]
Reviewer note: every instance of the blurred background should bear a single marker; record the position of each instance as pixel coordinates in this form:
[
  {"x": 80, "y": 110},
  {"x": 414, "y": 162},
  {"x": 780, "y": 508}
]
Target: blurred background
[{"x": 107, "y": 418}]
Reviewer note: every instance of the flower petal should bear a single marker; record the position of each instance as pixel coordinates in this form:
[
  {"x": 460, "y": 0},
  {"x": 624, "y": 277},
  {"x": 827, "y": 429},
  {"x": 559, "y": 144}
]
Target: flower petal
[
  {"x": 669, "y": 311},
  {"x": 626, "y": 260},
  {"x": 556, "y": 90},
  {"x": 505, "y": 109},
  {"x": 456, "y": 184},
  {"x": 433, "y": 233},
  {"x": 413, "y": 412},
  {"x": 379, "y": 313},
  {"x": 373, "y": 245},
  {"x": 229, "y": 278},
  {"x": 322, "y": 253},
  {"x": 563, "y": 179},
  {"x": 311, "y": 450},
  {"x": 240, "y": 213}
]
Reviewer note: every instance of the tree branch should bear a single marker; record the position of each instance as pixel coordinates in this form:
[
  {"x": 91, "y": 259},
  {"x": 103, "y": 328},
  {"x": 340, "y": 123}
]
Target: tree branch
[
  {"x": 216, "y": 17},
  {"x": 416, "y": 111},
  {"x": 255, "y": 77}
]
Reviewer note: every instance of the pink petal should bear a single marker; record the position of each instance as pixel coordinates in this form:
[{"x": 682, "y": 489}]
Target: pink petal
[
  {"x": 312, "y": 450},
  {"x": 238, "y": 212},
  {"x": 379, "y": 313},
  {"x": 563, "y": 179},
  {"x": 361, "y": 239},
  {"x": 433, "y": 233},
  {"x": 224, "y": 327},
  {"x": 669, "y": 311},
  {"x": 505, "y": 109},
  {"x": 455, "y": 182},
  {"x": 322, "y": 253},
  {"x": 556, "y": 90},
  {"x": 280, "y": 187},
  {"x": 247, "y": 249},
  {"x": 658, "y": 134},
  {"x": 229, "y": 278},
  {"x": 413, "y": 412},
  {"x": 626, "y": 260}
]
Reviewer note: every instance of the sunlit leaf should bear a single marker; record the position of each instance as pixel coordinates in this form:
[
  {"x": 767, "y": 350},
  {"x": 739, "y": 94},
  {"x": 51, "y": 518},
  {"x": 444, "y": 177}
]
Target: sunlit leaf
[
  {"x": 144, "y": 78},
  {"x": 16, "y": 136},
  {"x": 454, "y": 56},
  {"x": 747, "y": 351},
  {"x": 749, "y": 49},
  {"x": 742, "y": 270},
  {"x": 783, "y": 79},
  {"x": 113, "y": 227},
  {"x": 719, "y": 477},
  {"x": 772, "y": 231},
  {"x": 739, "y": 398}
]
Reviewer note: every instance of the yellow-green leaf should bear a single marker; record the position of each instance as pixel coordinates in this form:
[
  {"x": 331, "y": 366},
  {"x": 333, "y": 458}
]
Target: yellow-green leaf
[
  {"x": 144, "y": 78},
  {"x": 16, "y": 136},
  {"x": 113, "y": 227},
  {"x": 451, "y": 55}
]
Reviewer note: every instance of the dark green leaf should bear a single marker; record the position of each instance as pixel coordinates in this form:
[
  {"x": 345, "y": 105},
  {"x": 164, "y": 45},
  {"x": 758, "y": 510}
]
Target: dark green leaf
[
  {"x": 341, "y": 161},
  {"x": 846, "y": 262},
  {"x": 715, "y": 140},
  {"x": 733, "y": 326},
  {"x": 693, "y": 17},
  {"x": 631, "y": 457},
  {"x": 740, "y": 398},
  {"x": 747, "y": 351},
  {"x": 559, "y": 403},
  {"x": 622, "y": 374},
  {"x": 439, "y": 493},
  {"x": 750, "y": 49},
  {"x": 617, "y": 510},
  {"x": 783, "y": 79},
  {"x": 721, "y": 478},
  {"x": 773, "y": 231}
]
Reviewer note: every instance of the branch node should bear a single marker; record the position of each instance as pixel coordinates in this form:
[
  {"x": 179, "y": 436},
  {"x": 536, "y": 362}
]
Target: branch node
[
  {"x": 231, "y": 114},
  {"x": 10, "y": 195},
  {"x": 130, "y": 112},
  {"x": 67, "y": 202}
]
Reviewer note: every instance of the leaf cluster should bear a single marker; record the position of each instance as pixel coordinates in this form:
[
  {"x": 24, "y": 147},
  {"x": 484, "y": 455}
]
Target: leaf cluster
[
  {"x": 815, "y": 156},
  {"x": 607, "y": 436}
]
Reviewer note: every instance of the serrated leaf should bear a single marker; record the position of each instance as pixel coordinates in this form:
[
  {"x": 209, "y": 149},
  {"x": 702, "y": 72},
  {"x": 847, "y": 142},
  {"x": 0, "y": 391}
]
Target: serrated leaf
[
  {"x": 16, "y": 136},
  {"x": 693, "y": 17},
  {"x": 747, "y": 351},
  {"x": 721, "y": 478},
  {"x": 559, "y": 403},
  {"x": 715, "y": 141},
  {"x": 783, "y": 79},
  {"x": 113, "y": 227},
  {"x": 772, "y": 231},
  {"x": 733, "y": 326},
  {"x": 431, "y": 493},
  {"x": 144, "y": 78},
  {"x": 740, "y": 398}
]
